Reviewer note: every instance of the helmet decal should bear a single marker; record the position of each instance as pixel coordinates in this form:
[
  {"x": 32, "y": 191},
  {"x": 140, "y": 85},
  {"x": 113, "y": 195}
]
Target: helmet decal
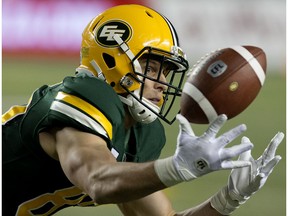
[{"x": 104, "y": 34}]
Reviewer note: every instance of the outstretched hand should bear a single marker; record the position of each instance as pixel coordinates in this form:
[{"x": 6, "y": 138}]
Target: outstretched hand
[
  {"x": 246, "y": 181},
  {"x": 196, "y": 156}
]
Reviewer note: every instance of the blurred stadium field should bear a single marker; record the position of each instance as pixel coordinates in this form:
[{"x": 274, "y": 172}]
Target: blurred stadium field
[{"x": 21, "y": 75}]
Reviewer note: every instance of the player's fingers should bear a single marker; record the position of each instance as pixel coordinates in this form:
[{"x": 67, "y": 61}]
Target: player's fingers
[
  {"x": 237, "y": 150},
  {"x": 247, "y": 154},
  {"x": 268, "y": 168},
  {"x": 215, "y": 126},
  {"x": 229, "y": 164},
  {"x": 270, "y": 151},
  {"x": 245, "y": 140},
  {"x": 184, "y": 125},
  {"x": 230, "y": 135}
]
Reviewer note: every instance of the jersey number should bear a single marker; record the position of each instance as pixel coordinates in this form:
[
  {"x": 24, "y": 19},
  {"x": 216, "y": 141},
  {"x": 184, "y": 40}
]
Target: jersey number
[{"x": 49, "y": 203}]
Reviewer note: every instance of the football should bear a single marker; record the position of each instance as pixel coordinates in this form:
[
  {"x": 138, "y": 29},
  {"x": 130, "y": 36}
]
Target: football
[{"x": 225, "y": 81}]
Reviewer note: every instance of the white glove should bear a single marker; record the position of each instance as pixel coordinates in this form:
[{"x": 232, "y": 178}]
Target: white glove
[
  {"x": 197, "y": 156},
  {"x": 246, "y": 181}
]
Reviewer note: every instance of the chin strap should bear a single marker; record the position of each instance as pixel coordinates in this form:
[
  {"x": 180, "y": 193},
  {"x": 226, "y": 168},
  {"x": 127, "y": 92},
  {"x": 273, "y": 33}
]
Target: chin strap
[
  {"x": 126, "y": 101},
  {"x": 100, "y": 74},
  {"x": 125, "y": 48},
  {"x": 138, "y": 110}
]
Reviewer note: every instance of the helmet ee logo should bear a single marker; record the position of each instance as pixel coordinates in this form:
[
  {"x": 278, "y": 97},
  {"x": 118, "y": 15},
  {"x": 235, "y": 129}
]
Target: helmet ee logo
[{"x": 104, "y": 34}]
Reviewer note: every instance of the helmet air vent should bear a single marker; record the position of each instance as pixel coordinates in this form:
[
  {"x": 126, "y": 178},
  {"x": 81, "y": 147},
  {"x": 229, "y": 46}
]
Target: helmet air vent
[
  {"x": 109, "y": 60},
  {"x": 149, "y": 14}
]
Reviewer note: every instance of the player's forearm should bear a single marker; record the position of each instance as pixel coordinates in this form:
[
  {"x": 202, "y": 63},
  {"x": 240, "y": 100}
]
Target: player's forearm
[
  {"x": 89, "y": 164},
  {"x": 122, "y": 182},
  {"x": 107, "y": 181},
  {"x": 137, "y": 181}
]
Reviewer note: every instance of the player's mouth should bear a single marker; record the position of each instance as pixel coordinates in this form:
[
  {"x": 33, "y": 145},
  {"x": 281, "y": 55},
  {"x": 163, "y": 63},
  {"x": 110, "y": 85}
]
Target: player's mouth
[{"x": 155, "y": 101}]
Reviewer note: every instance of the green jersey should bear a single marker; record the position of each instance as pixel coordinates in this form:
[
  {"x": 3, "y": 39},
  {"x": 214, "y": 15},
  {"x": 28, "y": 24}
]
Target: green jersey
[{"x": 33, "y": 182}]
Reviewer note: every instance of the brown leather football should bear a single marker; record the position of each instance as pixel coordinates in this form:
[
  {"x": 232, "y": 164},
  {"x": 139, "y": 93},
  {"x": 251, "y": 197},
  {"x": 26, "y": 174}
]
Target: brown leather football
[{"x": 225, "y": 81}]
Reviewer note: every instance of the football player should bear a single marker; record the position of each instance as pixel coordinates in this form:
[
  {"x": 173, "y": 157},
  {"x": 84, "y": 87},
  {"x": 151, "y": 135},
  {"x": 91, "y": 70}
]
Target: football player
[{"x": 96, "y": 137}]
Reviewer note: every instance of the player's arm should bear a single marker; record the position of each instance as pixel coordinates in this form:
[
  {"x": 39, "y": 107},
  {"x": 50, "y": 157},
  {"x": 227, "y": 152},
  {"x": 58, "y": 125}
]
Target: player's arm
[{"x": 89, "y": 164}]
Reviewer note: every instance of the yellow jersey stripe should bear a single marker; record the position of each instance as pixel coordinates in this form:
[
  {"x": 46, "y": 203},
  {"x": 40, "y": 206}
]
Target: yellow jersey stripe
[
  {"x": 78, "y": 116},
  {"x": 87, "y": 108},
  {"x": 12, "y": 113}
]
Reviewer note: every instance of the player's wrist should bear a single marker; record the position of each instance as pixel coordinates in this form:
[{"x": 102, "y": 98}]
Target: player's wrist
[
  {"x": 169, "y": 173},
  {"x": 224, "y": 203},
  {"x": 166, "y": 171}
]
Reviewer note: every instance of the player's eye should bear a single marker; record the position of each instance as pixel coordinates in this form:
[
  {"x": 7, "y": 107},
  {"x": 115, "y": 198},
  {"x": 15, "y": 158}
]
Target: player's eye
[{"x": 151, "y": 71}]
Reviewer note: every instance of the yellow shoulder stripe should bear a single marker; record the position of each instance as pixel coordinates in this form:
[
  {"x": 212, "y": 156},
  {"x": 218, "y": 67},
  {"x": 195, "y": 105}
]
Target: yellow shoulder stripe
[
  {"x": 95, "y": 113},
  {"x": 13, "y": 112}
]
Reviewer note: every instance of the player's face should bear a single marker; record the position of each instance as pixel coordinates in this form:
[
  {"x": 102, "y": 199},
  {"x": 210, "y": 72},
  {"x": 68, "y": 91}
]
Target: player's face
[{"x": 153, "y": 91}]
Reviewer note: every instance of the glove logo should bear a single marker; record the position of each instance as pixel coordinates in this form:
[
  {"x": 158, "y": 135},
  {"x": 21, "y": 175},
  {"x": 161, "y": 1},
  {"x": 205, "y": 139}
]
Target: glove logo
[
  {"x": 201, "y": 165},
  {"x": 104, "y": 34}
]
